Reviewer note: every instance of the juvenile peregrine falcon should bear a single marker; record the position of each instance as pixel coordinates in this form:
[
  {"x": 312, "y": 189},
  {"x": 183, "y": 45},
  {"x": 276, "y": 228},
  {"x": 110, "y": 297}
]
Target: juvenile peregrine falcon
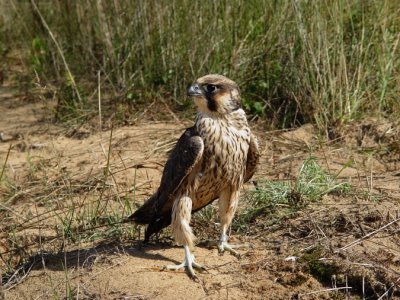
[{"x": 211, "y": 160}]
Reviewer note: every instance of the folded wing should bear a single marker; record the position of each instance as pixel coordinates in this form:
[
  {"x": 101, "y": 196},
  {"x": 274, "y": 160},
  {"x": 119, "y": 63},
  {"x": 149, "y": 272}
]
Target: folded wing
[
  {"x": 253, "y": 156},
  {"x": 156, "y": 211}
]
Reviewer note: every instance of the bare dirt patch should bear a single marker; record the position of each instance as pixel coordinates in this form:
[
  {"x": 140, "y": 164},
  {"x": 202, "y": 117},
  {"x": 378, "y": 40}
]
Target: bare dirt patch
[{"x": 64, "y": 196}]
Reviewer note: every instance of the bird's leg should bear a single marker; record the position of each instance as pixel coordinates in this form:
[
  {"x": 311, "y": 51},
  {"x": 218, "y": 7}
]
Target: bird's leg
[
  {"x": 224, "y": 245},
  {"x": 181, "y": 214},
  {"x": 228, "y": 202}
]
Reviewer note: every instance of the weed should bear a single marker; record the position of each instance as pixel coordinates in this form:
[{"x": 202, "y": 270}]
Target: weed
[
  {"x": 321, "y": 269},
  {"x": 313, "y": 182},
  {"x": 281, "y": 199}
]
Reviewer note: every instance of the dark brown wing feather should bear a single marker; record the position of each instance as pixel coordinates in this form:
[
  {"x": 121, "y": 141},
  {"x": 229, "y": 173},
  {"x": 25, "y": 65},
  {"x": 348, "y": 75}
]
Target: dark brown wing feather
[
  {"x": 156, "y": 211},
  {"x": 253, "y": 158}
]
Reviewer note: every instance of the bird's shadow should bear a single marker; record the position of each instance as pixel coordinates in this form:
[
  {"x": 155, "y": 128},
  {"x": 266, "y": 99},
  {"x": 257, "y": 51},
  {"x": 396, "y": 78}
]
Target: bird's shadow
[
  {"x": 86, "y": 258},
  {"x": 142, "y": 250}
]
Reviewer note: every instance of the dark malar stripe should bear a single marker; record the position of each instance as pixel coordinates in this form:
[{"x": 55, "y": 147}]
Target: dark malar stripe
[{"x": 211, "y": 104}]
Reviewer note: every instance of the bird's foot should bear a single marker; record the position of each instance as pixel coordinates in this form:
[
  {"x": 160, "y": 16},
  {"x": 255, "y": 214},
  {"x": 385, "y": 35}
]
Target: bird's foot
[
  {"x": 222, "y": 246},
  {"x": 190, "y": 264}
]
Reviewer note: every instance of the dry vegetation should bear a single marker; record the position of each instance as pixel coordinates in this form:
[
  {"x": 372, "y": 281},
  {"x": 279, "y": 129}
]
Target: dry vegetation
[
  {"x": 323, "y": 215},
  {"x": 296, "y": 61},
  {"x": 83, "y": 139}
]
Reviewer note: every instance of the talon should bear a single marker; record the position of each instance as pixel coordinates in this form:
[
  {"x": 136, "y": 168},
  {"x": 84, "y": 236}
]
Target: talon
[
  {"x": 189, "y": 263},
  {"x": 222, "y": 246},
  {"x": 194, "y": 278}
]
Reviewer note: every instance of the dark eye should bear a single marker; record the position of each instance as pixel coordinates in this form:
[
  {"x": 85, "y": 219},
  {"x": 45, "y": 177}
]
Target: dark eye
[{"x": 210, "y": 88}]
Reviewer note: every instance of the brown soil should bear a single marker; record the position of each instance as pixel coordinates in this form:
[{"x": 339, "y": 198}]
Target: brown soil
[{"x": 52, "y": 170}]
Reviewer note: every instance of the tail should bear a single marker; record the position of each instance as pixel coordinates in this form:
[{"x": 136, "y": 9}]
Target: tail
[{"x": 146, "y": 213}]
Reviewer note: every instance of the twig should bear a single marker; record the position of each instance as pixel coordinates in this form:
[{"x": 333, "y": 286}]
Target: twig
[
  {"x": 363, "y": 287},
  {"x": 356, "y": 242},
  {"x": 13, "y": 212},
  {"x": 388, "y": 290},
  {"x": 108, "y": 166},
  {"x": 144, "y": 112},
  {"x": 107, "y": 172},
  {"x": 14, "y": 280},
  {"x": 1, "y": 287},
  {"x": 5, "y": 162},
  {"x": 170, "y": 111},
  {"x": 99, "y": 98},
  {"x": 327, "y": 290}
]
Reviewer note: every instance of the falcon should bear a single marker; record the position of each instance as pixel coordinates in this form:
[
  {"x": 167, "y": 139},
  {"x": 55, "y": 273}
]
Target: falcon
[{"x": 210, "y": 161}]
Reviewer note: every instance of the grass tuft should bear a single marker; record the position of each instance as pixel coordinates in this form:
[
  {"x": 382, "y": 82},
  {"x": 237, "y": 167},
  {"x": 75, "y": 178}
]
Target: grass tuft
[{"x": 281, "y": 199}]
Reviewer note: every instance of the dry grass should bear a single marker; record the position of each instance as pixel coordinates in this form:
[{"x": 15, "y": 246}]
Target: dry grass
[
  {"x": 57, "y": 216},
  {"x": 295, "y": 61},
  {"x": 65, "y": 191}
]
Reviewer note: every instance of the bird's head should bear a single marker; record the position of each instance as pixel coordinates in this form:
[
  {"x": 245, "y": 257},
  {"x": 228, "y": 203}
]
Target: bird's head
[{"x": 215, "y": 94}]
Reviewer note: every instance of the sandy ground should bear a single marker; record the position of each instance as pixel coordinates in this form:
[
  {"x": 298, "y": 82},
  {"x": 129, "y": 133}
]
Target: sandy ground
[{"x": 44, "y": 158}]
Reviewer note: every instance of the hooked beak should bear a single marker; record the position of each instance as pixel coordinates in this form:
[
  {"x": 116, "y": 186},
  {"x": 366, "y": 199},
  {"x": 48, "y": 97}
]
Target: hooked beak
[{"x": 194, "y": 90}]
